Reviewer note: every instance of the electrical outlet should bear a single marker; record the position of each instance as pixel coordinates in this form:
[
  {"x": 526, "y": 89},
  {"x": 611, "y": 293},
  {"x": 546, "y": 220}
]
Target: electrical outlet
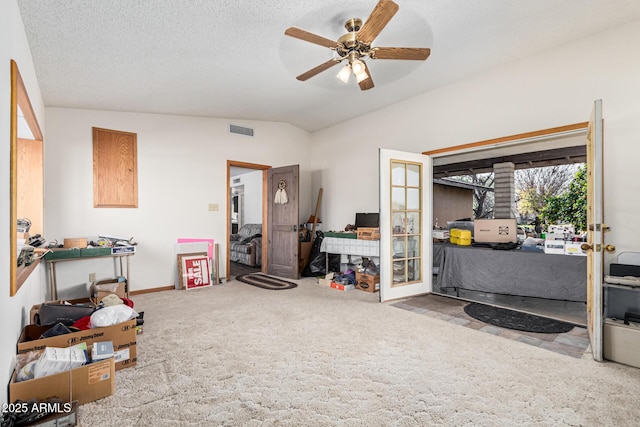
[
  {"x": 213, "y": 207},
  {"x": 92, "y": 277}
]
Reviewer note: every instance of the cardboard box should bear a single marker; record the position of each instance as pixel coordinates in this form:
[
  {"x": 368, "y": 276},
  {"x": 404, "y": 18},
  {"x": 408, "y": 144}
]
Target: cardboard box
[
  {"x": 123, "y": 336},
  {"x": 102, "y": 288},
  {"x": 75, "y": 242},
  {"x": 554, "y": 247},
  {"x": 326, "y": 281},
  {"x": 495, "y": 230},
  {"x": 573, "y": 248},
  {"x": 367, "y": 282},
  {"x": 554, "y": 236},
  {"x": 84, "y": 384},
  {"x": 368, "y": 233},
  {"x": 55, "y": 360},
  {"x": 440, "y": 234},
  {"x": 341, "y": 287},
  {"x": 562, "y": 229},
  {"x": 102, "y": 350}
]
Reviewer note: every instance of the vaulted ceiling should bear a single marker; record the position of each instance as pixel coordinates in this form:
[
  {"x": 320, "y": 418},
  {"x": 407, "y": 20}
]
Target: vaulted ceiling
[{"x": 231, "y": 59}]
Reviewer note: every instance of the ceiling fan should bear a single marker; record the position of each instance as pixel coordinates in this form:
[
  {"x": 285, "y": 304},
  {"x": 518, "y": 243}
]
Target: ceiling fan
[{"x": 355, "y": 46}]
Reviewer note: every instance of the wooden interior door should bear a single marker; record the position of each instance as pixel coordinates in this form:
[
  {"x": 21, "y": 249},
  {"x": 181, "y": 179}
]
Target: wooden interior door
[
  {"x": 596, "y": 229},
  {"x": 283, "y": 221}
]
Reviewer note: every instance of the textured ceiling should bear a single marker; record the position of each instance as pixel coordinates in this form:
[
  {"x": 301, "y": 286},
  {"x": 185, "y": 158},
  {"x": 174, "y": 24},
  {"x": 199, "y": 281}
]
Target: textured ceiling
[{"x": 231, "y": 59}]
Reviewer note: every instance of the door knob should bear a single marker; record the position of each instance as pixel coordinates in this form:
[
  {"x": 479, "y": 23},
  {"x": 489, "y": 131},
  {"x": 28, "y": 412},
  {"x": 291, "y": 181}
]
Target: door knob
[{"x": 586, "y": 247}]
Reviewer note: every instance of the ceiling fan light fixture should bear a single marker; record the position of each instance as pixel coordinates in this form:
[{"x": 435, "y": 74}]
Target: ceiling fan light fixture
[
  {"x": 362, "y": 76},
  {"x": 359, "y": 70},
  {"x": 344, "y": 74},
  {"x": 357, "y": 66}
]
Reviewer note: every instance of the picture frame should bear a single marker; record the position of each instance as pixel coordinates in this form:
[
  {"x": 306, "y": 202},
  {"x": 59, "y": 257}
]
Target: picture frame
[{"x": 194, "y": 270}]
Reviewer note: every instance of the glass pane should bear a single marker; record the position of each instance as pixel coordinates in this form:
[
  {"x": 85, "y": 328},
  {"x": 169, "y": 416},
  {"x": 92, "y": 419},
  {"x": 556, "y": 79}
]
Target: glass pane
[
  {"x": 413, "y": 270},
  {"x": 413, "y": 246},
  {"x": 398, "y": 201},
  {"x": 413, "y": 175},
  {"x": 413, "y": 199},
  {"x": 397, "y": 173},
  {"x": 398, "y": 247},
  {"x": 398, "y": 221},
  {"x": 413, "y": 222},
  {"x": 399, "y": 270}
]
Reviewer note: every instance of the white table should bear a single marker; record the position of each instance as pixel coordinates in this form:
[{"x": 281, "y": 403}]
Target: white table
[{"x": 359, "y": 247}]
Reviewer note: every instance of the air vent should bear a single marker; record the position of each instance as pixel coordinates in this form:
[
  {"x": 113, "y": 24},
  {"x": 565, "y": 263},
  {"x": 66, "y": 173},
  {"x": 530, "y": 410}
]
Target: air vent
[
  {"x": 236, "y": 180},
  {"x": 240, "y": 130}
]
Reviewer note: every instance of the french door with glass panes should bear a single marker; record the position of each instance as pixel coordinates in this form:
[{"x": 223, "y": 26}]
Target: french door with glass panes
[{"x": 405, "y": 233}]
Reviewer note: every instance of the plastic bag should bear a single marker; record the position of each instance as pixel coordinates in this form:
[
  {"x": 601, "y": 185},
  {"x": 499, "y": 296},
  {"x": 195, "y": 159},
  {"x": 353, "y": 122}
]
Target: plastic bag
[
  {"x": 317, "y": 264},
  {"x": 109, "y": 316},
  {"x": 25, "y": 363}
]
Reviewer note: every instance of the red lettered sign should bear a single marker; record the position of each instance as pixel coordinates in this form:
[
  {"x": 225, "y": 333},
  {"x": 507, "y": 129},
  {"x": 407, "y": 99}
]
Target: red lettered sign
[{"x": 196, "y": 272}]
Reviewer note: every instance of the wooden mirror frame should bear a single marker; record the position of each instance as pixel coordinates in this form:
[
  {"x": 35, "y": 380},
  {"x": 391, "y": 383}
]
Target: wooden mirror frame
[{"x": 19, "y": 97}]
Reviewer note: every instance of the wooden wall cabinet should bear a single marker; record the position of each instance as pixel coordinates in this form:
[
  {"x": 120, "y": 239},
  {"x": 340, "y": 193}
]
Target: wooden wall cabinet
[{"x": 115, "y": 170}]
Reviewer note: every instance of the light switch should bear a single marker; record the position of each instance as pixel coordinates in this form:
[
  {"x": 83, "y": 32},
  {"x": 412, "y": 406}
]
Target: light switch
[{"x": 213, "y": 207}]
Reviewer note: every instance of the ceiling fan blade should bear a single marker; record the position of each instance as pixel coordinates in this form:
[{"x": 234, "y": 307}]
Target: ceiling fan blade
[
  {"x": 416, "y": 53},
  {"x": 379, "y": 18},
  {"x": 310, "y": 37},
  {"x": 366, "y": 83},
  {"x": 316, "y": 70}
]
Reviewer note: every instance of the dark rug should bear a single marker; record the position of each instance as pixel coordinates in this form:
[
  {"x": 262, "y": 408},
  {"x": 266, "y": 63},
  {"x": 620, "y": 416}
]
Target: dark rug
[
  {"x": 266, "y": 282},
  {"x": 516, "y": 320}
]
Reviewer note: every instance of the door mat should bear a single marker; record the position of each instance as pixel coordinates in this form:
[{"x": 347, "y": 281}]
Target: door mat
[
  {"x": 265, "y": 282},
  {"x": 510, "y": 319}
]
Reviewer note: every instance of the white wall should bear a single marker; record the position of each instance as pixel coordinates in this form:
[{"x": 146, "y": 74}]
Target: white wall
[
  {"x": 252, "y": 187},
  {"x": 13, "y": 310},
  {"x": 554, "y": 88},
  {"x": 181, "y": 170}
]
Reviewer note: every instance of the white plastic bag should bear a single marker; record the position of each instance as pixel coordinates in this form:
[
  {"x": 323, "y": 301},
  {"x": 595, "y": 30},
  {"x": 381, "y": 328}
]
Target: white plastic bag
[{"x": 112, "y": 315}]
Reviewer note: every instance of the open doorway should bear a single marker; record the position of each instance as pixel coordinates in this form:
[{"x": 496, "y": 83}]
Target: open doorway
[
  {"x": 550, "y": 148},
  {"x": 246, "y": 218}
]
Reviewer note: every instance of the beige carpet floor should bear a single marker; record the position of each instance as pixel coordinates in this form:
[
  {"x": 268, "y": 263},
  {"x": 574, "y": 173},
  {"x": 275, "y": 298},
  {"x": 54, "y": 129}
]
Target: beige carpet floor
[{"x": 238, "y": 355}]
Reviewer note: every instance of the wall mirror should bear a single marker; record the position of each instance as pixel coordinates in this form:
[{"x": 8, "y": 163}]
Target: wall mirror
[{"x": 26, "y": 175}]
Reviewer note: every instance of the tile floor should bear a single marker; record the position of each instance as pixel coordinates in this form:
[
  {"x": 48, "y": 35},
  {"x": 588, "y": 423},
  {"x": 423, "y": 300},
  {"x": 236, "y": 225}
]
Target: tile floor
[{"x": 574, "y": 343}]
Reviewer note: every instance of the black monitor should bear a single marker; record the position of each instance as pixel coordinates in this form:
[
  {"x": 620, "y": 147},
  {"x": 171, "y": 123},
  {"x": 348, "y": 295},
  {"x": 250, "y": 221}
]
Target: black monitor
[{"x": 368, "y": 220}]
